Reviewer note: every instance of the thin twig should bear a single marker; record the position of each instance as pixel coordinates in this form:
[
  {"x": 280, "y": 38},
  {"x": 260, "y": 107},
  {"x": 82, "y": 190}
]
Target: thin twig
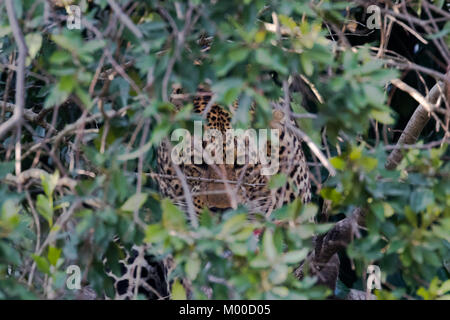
[{"x": 125, "y": 19}]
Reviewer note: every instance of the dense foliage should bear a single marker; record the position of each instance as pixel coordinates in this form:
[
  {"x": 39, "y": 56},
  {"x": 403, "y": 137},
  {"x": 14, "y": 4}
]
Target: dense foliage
[{"x": 78, "y": 170}]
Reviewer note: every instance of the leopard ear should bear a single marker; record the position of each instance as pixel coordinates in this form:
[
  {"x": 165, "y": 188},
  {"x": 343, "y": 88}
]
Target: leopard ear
[
  {"x": 277, "y": 119},
  {"x": 278, "y": 115}
]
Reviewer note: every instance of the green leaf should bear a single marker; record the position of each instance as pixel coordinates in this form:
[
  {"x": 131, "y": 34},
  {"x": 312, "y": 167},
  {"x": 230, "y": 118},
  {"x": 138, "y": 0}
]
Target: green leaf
[
  {"x": 178, "y": 292},
  {"x": 192, "y": 267},
  {"x": 279, "y": 274},
  {"x": 41, "y": 263},
  {"x": 67, "y": 83},
  {"x": 411, "y": 216},
  {"x": 84, "y": 97},
  {"x": 281, "y": 291},
  {"x": 307, "y": 64},
  {"x": 34, "y": 42},
  {"x": 308, "y": 211},
  {"x": 331, "y": 194},
  {"x": 233, "y": 224},
  {"x": 369, "y": 164},
  {"x": 378, "y": 209},
  {"x": 382, "y": 116},
  {"x": 9, "y": 254},
  {"x": 60, "y": 57},
  {"x": 92, "y": 46},
  {"x": 206, "y": 219},
  {"x": 388, "y": 210},
  {"x": 161, "y": 131},
  {"x": 263, "y": 57},
  {"x": 53, "y": 255},
  {"x": 338, "y": 163},
  {"x": 445, "y": 288},
  {"x": 155, "y": 233},
  {"x": 270, "y": 60},
  {"x": 269, "y": 246},
  {"x": 4, "y": 31},
  {"x": 228, "y": 89},
  {"x": 45, "y": 208},
  {"x": 71, "y": 43},
  {"x": 5, "y": 168},
  {"x": 56, "y": 97},
  {"x": 238, "y": 54},
  {"x": 49, "y": 183},
  {"x": 173, "y": 218},
  {"x": 10, "y": 209},
  {"x": 432, "y": 258},
  {"x": 420, "y": 199},
  {"x": 374, "y": 95},
  {"x": 295, "y": 256},
  {"x": 260, "y": 262},
  {"x": 135, "y": 202},
  {"x": 417, "y": 254},
  {"x": 277, "y": 181}
]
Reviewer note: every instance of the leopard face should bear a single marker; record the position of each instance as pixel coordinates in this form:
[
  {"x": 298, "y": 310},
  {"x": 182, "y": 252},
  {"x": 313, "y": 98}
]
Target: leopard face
[{"x": 222, "y": 186}]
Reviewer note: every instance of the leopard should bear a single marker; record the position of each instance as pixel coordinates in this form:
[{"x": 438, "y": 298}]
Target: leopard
[
  {"x": 246, "y": 182},
  {"x": 219, "y": 188}
]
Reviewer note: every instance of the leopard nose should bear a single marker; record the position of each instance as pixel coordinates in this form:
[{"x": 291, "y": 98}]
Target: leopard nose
[{"x": 219, "y": 210}]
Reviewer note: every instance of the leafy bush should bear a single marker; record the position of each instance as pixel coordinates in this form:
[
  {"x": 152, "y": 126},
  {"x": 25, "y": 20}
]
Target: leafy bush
[{"x": 78, "y": 170}]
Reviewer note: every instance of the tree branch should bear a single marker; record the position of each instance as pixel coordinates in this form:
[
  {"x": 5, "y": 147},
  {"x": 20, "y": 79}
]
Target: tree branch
[
  {"x": 16, "y": 119},
  {"x": 29, "y": 115},
  {"x": 414, "y": 127},
  {"x": 125, "y": 19}
]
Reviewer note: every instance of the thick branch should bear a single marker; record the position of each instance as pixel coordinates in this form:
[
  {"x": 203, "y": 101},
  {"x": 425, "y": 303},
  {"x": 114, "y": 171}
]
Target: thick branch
[
  {"x": 323, "y": 262},
  {"x": 414, "y": 127},
  {"x": 339, "y": 236}
]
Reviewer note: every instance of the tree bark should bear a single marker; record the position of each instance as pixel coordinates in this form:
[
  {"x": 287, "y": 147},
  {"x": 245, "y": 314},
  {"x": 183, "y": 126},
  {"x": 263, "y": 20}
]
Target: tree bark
[{"x": 417, "y": 122}]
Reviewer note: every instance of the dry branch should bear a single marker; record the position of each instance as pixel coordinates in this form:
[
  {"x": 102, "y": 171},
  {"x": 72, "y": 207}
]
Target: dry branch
[
  {"x": 29, "y": 115},
  {"x": 35, "y": 174},
  {"x": 125, "y": 19},
  {"x": 414, "y": 127}
]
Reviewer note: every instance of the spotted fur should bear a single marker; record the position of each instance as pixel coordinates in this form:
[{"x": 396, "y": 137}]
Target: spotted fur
[{"x": 253, "y": 191}]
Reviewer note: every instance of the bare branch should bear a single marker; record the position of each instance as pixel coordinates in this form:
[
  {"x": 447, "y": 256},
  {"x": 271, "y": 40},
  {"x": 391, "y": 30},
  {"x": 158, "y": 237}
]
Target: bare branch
[
  {"x": 35, "y": 174},
  {"x": 414, "y": 94},
  {"x": 29, "y": 115},
  {"x": 125, "y": 19},
  {"x": 313, "y": 147}
]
